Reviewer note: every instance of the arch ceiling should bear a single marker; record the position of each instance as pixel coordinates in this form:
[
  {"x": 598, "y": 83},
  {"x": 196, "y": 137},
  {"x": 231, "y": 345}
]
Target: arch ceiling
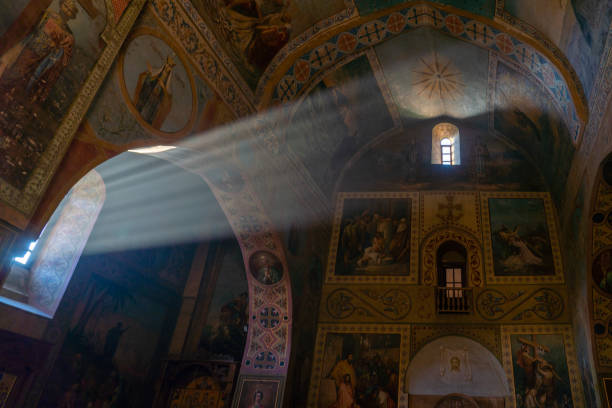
[{"x": 349, "y": 72}]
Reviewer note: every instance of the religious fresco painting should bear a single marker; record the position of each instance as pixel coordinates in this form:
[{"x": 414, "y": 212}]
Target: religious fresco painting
[
  {"x": 578, "y": 27},
  {"x": 541, "y": 365},
  {"x": 427, "y": 72},
  {"x": 519, "y": 237},
  {"x": 360, "y": 369},
  {"x": 374, "y": 237},
  {"x": 343, "y": 111},
  {"x": 266, "y": 267},
  {"x": 602, "y": 271},
  {"x": 252, "y": 32},
  {"x": 524, "y": 113},
  {"x": 253, "y": 392},
  {"x": 40, "y": 75},
  {"x": 163, "y": 97},
  {"x": 224, "y": 333},
  {"x": 111, "y": 353},
  {"x": 397, "y": 162}
]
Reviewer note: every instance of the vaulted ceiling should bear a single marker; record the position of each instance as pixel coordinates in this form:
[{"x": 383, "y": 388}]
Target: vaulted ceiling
[{"x": 363, "y": 82}]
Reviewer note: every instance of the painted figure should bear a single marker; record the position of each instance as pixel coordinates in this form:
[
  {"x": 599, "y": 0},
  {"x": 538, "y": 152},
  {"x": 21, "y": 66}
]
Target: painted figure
[
  {"x": 29, "y": 70},
  {"x": 526, "y": 255},
  {"x": 342, "y": 369},
  {"x": 258, "y": 29},
  {"x": 257, "y": 400},
  {"x": 152, "y": 97},
  {"x": 346, "y": 394},
  {"x": 540, "y": 391}
]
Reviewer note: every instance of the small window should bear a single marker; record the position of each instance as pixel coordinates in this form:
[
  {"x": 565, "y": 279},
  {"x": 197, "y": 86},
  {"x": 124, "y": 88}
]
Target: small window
[
  {"x": 445, "y": 147},
  {"x": 25, "y": 259}
]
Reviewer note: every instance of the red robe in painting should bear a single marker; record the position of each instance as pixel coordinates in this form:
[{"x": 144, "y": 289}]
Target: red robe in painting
[{"x": 29, "y": 70}]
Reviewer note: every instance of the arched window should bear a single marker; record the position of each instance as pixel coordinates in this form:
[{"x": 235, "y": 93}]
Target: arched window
[
  {"x": 452, "y": 277},
  {"x": 37, "y": 282},
  {"x": 445, "y": 146}
]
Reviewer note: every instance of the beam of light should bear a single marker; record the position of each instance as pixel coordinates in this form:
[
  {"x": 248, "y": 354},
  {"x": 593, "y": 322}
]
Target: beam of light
[
  {"x": 290, "y": 156},
  {"x": 153, "y": 149}
]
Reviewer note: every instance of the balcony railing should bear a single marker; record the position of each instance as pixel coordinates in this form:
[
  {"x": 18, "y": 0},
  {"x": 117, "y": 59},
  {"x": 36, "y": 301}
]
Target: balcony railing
[{"x": 454, "y": 300}]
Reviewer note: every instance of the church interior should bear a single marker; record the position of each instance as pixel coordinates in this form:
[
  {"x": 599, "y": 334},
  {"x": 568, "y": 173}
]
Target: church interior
[{"x": 306, "y": 203}]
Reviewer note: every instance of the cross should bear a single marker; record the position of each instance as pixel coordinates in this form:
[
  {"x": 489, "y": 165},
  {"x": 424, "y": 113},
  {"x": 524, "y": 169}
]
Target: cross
[
  {"x": 368, "y": 33},
  {"x": 436, "y": 18},
  {"x": 285, "y": 90},
  {"x": 450, "y": 207},
  {"x": 523, "y": 54},
  {"x": 269, "y": 318},
  {"x": 486, "y": 36},
  {"x": 320, "y": 57},
  {"x": 414, "y": 16},
  {"x": 472, "y": 29}
]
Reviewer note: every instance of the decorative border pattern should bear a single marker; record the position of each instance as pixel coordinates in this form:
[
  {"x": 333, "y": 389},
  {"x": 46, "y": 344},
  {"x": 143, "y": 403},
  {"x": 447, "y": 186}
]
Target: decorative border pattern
[
  {"x": 438, "y": 237},
  {"x": 26, "y": 200},
  {"x": 570, "y": 355},
  {"x": 466, "y": 226},
  {"x": 373, "y": 32},
  {"x": 543, "y": 41},
  {"x": 557, "y": 276},
  {"x": 324, "y": 329},
  {"x": 195, "y": 40},
  {"x": 411, "y": 278},
  {"x": 268, "y": 344}
]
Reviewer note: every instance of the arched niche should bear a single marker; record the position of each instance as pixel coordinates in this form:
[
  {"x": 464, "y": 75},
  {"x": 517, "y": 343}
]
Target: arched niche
[
  {"x": 455, "y": 366},
  {"x": 429, "y": 254}
]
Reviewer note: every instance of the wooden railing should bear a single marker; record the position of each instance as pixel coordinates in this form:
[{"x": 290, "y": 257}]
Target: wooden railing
[{"x": 454, "y": 300}]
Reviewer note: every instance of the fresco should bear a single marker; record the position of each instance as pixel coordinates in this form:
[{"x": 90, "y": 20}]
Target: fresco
[
  {"x": 39, "y": 78},
  {"x": 111, "y": 353},
  {"x": 485, "y": 8},
  {"x": 360, "y": 370},
  {"x": 602, "y": 270},
  {"x": 224, "y": 335},
  {"x": 202, "y": 384},
  {"x": 10, "y": 13},
  {"x": 427, "y": 72},
  {"x": 266, "y": 267},
  {"x": 375, "y": 237},
  {"x": 541, "y": 374},
  {"x": 403, "y": 160},
  {"x": 161, "y": 95},
  {"x": 344, "y": 111},
  {"x": 252, "y": 32},
  {"x": 519, "y": 237},
  {"x": 259, "y": 393},
  {"x": 578, "y": 27},
  {"x": 526, "y": 115}
]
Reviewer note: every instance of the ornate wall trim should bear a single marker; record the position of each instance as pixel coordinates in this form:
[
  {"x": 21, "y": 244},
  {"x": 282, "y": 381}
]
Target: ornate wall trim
[
  {"x": 294, "y": 76},
  {"x": 430, "y": 245}
]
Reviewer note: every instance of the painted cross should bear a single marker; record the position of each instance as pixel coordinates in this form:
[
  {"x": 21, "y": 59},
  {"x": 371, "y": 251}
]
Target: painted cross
[
  {"x": 368, "y": 36},
  {"x": 322, "y": 56},
  {"x": 450, "y": 207}
]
